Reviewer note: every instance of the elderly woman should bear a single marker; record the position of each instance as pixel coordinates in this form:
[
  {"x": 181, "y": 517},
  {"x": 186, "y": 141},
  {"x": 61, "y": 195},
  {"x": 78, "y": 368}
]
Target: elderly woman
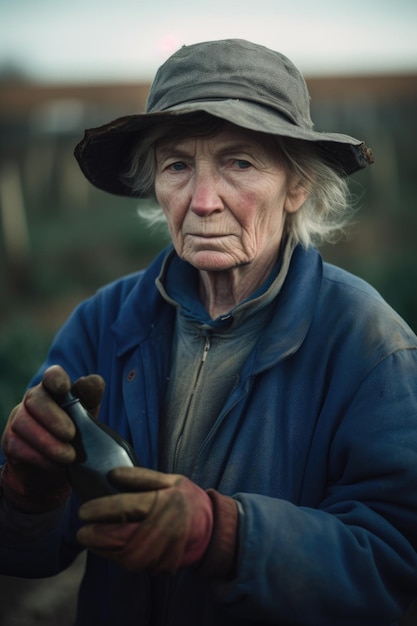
[{"x": 271, "y": 398}]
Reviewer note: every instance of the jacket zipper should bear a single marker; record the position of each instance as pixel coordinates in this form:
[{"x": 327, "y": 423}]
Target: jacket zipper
[{"x": 206, "y": 348}]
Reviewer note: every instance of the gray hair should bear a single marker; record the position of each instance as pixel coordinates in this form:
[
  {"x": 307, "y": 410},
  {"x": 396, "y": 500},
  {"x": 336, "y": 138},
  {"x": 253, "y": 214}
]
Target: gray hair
[{"x": 321, "y": 218}]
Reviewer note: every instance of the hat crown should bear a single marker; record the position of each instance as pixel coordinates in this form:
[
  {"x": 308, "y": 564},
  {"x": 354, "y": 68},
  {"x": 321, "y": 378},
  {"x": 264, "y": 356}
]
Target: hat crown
[
  {"x": 243, "y": 83},
  {"x": 232, "y": 69}
]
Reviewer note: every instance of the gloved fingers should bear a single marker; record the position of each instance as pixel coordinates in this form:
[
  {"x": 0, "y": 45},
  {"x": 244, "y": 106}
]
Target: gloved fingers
[
  {"x": 38, "y": 431},
  {"x": 104, "y": 536},
  {"x": 172, "y": 509},
  {"x": 27, "y": 440},
  {"x": 156, "y": 543},
  {"x": 136, "y": 547},
  {"x": 36, "y": 443},
  {"x": 123, "y": 507},
  {"x": 89, "y": 389},
  {"x": 56, "y": 380},
  {"x": 41, "y": 407},
  {"x": 173, "y": 523},
  {"x": 141, "y": 479},
  {"x": 42, "y": 450}
]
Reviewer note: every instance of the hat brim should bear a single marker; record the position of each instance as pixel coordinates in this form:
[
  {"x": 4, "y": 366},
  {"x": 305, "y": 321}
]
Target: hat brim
[{"x": 105, "y": 153}]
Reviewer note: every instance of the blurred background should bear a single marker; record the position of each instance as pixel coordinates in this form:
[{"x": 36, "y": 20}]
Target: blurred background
[{"x": 67, "y": 66}]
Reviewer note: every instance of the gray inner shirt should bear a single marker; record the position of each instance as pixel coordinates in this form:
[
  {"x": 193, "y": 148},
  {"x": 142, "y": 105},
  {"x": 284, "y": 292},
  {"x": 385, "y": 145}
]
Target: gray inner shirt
[{"x": 207, "y": 357}]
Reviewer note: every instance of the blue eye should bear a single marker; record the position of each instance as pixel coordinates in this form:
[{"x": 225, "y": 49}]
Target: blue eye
[
  {"x": 178, "y": 166},
  {"x": 242, "y": 164}
]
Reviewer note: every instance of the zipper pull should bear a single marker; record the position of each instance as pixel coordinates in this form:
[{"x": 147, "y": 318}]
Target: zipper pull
[{"x": 206, "y": 349}]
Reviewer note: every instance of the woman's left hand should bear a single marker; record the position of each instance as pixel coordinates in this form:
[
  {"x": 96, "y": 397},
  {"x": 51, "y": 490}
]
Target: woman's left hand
[{"x": 158, "y": 522}]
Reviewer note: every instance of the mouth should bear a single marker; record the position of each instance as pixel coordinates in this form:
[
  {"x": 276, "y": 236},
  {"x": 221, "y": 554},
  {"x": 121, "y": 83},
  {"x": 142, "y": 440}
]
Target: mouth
[{"x": 207, "y": 235}]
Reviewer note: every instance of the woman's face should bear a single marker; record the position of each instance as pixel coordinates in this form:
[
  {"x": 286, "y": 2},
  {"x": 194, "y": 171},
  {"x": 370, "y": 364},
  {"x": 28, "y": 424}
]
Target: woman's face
[{"x": 225, "y": 198}]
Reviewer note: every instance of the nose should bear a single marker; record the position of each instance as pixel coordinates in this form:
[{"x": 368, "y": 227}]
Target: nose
[{"x": 205, "y": 193}]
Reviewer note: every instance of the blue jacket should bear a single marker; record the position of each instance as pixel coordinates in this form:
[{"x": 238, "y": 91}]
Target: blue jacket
[{"x": 318, "y": 442}]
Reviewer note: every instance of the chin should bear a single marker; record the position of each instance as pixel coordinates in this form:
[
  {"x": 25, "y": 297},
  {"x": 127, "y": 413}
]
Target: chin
[{"x": 214, "y": 262}]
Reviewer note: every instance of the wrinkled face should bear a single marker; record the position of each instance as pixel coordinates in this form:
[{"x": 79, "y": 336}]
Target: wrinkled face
[{"x": 225, "y": 197}]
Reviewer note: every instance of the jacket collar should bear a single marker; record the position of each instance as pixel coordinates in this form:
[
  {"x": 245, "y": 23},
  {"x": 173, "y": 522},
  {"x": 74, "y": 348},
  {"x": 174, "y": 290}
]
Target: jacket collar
[
  {"x": 145, "y": 313},
  {"x": 295, "y": 308}
]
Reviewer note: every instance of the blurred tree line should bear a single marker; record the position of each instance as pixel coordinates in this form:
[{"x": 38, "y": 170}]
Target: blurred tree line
[{"x": 61, "y": 239}]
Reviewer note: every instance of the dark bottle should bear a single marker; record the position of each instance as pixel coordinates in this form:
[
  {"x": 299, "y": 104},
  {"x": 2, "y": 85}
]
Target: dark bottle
[{"x": 99, "y": 449}]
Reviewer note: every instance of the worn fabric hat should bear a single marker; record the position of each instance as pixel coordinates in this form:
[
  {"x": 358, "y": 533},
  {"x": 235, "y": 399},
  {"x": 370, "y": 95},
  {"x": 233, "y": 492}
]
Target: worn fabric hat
[{"x": 238, "y": 81}]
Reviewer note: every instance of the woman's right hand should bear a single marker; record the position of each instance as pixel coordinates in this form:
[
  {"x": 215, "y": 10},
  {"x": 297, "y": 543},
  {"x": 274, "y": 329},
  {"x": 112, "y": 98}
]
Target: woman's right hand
[
  {"x": 37, "y": 441},
  {"x": 38, "y": 432}
]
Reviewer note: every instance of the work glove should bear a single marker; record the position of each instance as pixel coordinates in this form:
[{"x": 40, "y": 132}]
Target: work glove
[
  {"x": 37, "y": 442},
  {"x": 161, "y": 522}
]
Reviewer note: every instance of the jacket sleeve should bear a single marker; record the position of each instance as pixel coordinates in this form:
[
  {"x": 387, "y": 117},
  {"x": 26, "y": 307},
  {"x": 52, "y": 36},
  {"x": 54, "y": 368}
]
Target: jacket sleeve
[
  {"x": 351, "y": 559},
  {"x": 39, "y": 545},
  {"x": 84, "y": 345},
  {"x": 34, "y": 545}
]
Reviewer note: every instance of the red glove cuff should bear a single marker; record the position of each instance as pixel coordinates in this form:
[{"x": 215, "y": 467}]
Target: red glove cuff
[
  {"x": 220, "y": 558},
  {"x": 35, "y": 494}
]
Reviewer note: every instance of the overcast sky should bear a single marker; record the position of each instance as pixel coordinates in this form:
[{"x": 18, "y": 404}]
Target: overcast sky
[{"x": 95, "y": 40}]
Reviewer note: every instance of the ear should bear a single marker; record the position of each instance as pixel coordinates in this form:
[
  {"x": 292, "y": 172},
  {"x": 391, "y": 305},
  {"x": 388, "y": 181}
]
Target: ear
[{"x": 296, "y": 196}]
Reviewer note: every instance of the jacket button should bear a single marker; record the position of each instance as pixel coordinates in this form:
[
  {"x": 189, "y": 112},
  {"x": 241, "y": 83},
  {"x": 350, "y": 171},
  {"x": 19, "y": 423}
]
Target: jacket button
[{"x": 131, "y": 375}]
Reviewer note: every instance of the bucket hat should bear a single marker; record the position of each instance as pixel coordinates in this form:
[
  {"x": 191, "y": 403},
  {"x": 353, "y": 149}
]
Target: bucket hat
[{"x": 238, "y": 81}]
